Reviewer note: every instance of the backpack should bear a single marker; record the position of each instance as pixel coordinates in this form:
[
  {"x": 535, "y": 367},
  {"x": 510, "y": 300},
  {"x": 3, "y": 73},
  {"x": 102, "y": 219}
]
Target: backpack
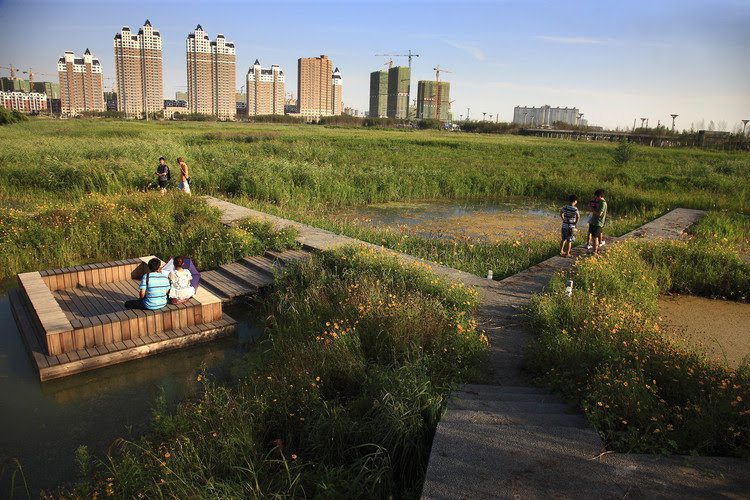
[{"x": 169, "y": 174}]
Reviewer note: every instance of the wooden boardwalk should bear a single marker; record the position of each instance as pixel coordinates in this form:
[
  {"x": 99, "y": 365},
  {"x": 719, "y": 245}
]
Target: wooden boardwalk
[{"x": 74, "y": 320}]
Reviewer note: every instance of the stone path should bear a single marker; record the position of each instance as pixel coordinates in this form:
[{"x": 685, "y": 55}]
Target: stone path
[{"x": 510, "y": 439}]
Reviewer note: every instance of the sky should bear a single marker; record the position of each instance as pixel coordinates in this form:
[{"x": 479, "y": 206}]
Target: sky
[{"x": 615, "y": 61}]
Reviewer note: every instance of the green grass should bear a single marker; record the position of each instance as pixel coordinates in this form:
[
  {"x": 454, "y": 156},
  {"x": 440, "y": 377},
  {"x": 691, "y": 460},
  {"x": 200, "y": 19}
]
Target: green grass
[
  {"x": 340, "y": 400},
  {"x": 103, "y": 228},
  {"x": 605, "y": 350},
  {"x": 302, "y": 165}
]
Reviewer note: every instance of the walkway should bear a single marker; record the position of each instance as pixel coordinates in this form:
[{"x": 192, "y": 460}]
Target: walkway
[{"x": 509, "y": 439}]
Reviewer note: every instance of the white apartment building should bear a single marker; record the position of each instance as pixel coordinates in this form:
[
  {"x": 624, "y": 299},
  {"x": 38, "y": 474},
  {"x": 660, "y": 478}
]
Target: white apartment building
[
  {"x": 265, "y": 90},
  {"x": 138, "y": 68},
  {"x": 211, "y": 75}
]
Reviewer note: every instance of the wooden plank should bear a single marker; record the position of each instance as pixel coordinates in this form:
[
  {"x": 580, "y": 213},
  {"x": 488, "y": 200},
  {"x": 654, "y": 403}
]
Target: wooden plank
[
  {"x": 124, "y": 325},
  {"x": 88, "y": 332},
  {"x": 129, "y": 343},
  {"x": 107, "y": 332},
  {"x": 73, "y": 355},
  {"x": 66, "y": 341},
  {"x": 224, "y": 284},
  {"x": 120, "y": 346},
  {"x": 268, "y": 266},
  {"x": 116, "y": 327},
  {"x": 98, "y": 330},
  {"x": 250, "y": 277}
]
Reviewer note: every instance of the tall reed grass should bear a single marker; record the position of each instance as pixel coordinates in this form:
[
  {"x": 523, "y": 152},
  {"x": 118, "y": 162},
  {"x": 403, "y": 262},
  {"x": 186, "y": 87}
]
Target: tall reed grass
[{"x": 340, "y": 400}]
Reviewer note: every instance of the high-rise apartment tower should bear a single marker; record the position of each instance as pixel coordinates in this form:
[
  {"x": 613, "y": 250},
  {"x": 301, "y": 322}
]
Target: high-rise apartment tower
[
  {"x": 211, "y": 75},
  {"x": 138, "y": 68},
  {"x": 315, "y": 87},
  {"x": 378, "y": 94},
  {"x": 80, "y": 83},
  {"x": 265, "y": 90},
  {"x": 399, "y": 79}
]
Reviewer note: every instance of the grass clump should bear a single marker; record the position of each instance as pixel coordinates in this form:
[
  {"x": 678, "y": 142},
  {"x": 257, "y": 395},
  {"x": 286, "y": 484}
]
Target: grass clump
[
  {"x": 340, "y": 400},
  {"x": 99, "y": 228},
  {"x": 604, "y": 349}
]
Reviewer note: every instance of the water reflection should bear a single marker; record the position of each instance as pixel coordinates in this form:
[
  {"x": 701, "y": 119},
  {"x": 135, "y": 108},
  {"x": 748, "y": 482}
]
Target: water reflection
[{"x": 42, "y": 424}]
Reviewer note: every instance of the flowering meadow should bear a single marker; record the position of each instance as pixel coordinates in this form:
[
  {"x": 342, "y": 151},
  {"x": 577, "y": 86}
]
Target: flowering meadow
[
  {"x": 340, "y": 399},
  {"x": 604, "y": 349}
]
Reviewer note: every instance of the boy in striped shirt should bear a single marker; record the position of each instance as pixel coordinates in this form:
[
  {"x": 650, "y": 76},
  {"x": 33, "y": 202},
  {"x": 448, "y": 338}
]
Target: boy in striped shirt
[
  {"x": 570, "y": 217},
  {"x": 153, "y": 289}
]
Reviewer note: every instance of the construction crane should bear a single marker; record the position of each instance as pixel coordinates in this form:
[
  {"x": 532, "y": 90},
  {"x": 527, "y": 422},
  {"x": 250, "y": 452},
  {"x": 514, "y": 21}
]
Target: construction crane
[
  {"x": 409, "y": 55},
  {"x": 437, "y": 81},
  {"x": 31, "y": 76},
  {"x": 389, "y": 63},
  {"x": 12, "y": 70}
]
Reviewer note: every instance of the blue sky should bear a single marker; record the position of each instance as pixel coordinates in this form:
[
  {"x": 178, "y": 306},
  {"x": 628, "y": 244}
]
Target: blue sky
[{"x": 615, "y": 61}]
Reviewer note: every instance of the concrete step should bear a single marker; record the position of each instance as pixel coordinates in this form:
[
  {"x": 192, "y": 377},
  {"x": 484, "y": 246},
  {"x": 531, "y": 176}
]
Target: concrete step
[
  {"x": 514, "y": 418},
  {"x": 498, "y": 406},
  {"x": 289, "y": 255},
  {"x": 504, "y": 393}
]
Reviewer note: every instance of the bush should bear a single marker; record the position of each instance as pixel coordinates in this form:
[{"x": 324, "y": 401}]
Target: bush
[
  {"x": 623, "y": 153},
  {"x": 8, "y": 116}
]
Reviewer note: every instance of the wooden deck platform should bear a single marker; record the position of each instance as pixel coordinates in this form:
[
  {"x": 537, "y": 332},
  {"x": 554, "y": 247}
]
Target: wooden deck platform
[{"x": 74, "y": 319}]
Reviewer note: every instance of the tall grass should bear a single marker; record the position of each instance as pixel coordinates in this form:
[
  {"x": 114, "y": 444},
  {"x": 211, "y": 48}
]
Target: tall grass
[
  {"x": 102, "y": 228},
  {"x": 605, "y": 350},
  {"x": 303, "y": 165},
  {"x": 340, "y": 400}
]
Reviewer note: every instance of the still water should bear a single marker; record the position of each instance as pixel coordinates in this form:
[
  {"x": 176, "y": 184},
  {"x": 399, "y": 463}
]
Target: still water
[
  {"x": 42, "y": 424},
  {"x": 490, "y": 220}
]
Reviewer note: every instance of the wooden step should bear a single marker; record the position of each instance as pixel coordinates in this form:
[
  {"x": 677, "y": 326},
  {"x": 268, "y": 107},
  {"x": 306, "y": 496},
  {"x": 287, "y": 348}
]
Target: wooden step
[
  {"x": 267, "y": 265},
  {"x": 250, "y": 276},
  {"x": 227, "y": 286}
]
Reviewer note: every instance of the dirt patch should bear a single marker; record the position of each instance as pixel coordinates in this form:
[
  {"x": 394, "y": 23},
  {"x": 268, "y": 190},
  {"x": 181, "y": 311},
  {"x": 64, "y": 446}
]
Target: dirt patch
[{"x": 720, "y": 328}]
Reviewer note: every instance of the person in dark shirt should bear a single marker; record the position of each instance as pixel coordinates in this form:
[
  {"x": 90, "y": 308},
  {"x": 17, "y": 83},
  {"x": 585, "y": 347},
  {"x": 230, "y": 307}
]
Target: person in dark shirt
[
  {"x": 162, "y": 172},
  {"x": 570, "y": 217}
]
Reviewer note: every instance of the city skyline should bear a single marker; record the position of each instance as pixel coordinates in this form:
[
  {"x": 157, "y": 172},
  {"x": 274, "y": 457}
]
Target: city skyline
[{"x": 615, "y": 63}]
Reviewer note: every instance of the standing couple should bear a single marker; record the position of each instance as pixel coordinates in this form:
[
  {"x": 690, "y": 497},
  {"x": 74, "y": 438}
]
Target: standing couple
[{"x": 162, "y": 173}]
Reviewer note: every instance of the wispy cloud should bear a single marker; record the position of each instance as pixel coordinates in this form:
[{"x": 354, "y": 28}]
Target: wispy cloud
[
  {"x": 579, "y": 40},
  {"x": 473, "y": 51}
]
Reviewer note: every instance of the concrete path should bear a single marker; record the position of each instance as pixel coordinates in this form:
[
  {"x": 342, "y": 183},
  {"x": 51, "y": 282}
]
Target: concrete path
[{"x": 510, "y": 439}]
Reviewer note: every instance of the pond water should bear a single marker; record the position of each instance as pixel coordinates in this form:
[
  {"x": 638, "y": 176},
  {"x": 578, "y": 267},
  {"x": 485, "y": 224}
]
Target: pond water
[
  {"x": 42, "y": 424},
  {"x": 506, "y": 219},
  {"x": 720, "y": 328}
]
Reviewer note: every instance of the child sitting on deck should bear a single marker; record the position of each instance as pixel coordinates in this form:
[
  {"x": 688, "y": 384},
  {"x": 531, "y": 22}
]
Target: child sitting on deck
[
  {"x": 179, "y": 279},
  {"x": 153, "y": 289}
]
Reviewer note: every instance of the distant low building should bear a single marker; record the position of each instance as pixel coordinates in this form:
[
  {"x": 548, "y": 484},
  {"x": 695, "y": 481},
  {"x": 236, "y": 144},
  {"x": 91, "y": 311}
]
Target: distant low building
[
  {"x": 545, "y": 116},
  {"x": 14, "y": 85},
  {"x": 25, "y": 102}
]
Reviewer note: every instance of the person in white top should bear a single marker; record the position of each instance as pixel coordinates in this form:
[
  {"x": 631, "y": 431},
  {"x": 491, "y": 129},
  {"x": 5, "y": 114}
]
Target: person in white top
[
  {"x": 181, "y": 290},
  {"x": 184, "y": 177}
]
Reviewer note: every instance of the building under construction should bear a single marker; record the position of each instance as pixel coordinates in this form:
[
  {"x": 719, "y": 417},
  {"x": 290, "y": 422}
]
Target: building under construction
[
  {"x": 389, "y": 93},
  {"x": 433, "y": 100},
  {"x": 378, "y": 94}
]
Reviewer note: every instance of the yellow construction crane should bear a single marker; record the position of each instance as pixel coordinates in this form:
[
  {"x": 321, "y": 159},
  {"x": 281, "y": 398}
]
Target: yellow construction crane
[
  {"x": 437, "y": 81},
  {"x": 389, "y": 63},
  {"x": 31, "y": 76},
  {"x": 12, "y": 70}
]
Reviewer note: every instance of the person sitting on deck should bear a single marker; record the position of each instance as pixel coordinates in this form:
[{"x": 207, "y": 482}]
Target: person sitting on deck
[
  {"x": 153, "y": 289},
  {"x": 179, "y": 279}
]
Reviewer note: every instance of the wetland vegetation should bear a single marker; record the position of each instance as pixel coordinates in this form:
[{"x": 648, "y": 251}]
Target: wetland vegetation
[{"x": 346, "y": 388}]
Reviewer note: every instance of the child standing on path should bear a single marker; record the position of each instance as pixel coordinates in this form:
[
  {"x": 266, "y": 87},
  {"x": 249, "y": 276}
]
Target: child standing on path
[
  {"x": 592, "y": 206},
  {"x": 162, "y": 172},
  {"x": 598, "y": 218},
  {"x": 570, "y": 217}
]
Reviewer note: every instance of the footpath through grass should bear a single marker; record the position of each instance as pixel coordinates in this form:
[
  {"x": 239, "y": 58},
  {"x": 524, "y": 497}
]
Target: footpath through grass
[
  {"x": 340, "y": 399},
  {"x": 603, "y": 348}
]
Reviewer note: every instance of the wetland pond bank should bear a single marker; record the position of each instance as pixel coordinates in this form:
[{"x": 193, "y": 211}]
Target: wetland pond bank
[
  {"x": 505, "y": 219},
  {"x": 720, "y": 328}
]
